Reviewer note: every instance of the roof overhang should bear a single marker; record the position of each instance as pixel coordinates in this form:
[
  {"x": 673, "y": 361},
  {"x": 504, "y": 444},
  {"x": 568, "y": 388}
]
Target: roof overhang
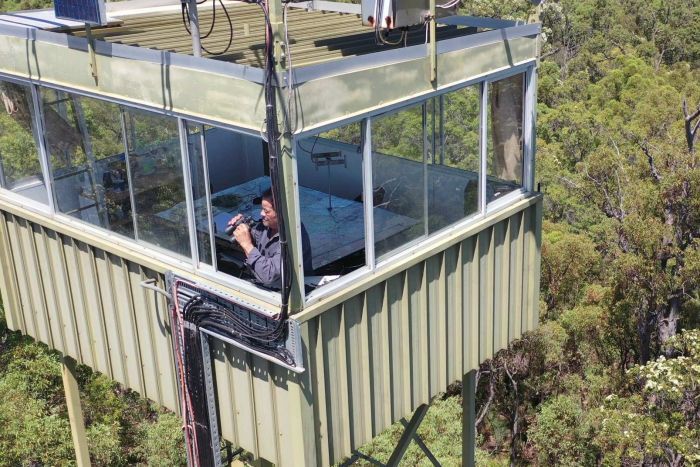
[{"x": 232, "y": 94}]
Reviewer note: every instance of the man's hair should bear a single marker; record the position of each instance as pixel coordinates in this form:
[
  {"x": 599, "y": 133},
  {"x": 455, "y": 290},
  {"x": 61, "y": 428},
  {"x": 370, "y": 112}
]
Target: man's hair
[{"x": 267, "y": 194}]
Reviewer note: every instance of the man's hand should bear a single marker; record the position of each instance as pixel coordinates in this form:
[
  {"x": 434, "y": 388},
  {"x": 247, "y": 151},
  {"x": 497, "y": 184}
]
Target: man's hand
[
  {"x": 243, "y": 237},
  {"x": 233, "y": 220}
]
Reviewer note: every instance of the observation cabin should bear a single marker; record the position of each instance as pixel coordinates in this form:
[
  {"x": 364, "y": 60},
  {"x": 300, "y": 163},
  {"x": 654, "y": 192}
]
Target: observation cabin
[{"x": 395, "y": 142}]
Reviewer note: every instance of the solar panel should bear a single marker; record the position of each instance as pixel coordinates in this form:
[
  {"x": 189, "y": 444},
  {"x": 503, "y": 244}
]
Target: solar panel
[{"x": 87, "y": 11}]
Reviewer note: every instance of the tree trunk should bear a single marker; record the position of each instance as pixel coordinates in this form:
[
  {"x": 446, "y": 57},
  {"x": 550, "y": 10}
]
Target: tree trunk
[
  {"x": 668, "y": 322},
  {"x": 61, "y": 137},
  {"x": 506, "y": 99},
  {"x": 644, "y": 332}
]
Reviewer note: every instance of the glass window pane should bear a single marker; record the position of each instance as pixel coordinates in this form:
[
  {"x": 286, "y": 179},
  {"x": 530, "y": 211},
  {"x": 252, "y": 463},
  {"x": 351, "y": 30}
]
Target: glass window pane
[
  {"x": 86, "y": 147},
  {"x": 20, "y": 169},
  {"x": 156, "y": 173},
  {"x": 453, "y": 171},
  {"x": 195, "y": 143},
  {"x": 238, "y": 176},
  {"x": 398, "y": 179},
  {"x": 505, "y": 137},
  {"x": 329, "y": 166}
]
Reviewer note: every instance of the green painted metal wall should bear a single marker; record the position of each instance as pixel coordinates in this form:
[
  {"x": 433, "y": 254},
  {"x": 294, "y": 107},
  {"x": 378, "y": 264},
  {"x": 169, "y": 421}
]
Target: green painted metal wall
[
  {"x": 237, "y": 101},
  {"x": 373, "y": 353}
]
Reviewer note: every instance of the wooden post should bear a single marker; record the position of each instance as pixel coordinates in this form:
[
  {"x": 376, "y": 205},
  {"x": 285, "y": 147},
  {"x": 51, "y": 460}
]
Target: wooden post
[
  {"x": 468, "y": 418},
  {"x": 75, "y": 412}
]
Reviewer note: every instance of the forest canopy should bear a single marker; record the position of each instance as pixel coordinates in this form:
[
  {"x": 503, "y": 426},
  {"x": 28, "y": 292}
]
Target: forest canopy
[{"x": 611, "y": 375}]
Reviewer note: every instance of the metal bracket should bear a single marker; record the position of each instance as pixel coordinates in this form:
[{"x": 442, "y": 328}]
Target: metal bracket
[
  {"x": 410, "y": 433},
  {"x": 91, "y": 50}
]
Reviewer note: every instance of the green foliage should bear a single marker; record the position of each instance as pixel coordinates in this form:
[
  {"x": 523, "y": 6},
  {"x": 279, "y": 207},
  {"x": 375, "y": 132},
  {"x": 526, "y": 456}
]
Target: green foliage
[
  {"x": 441, "y": 430},
  {"x": 122, "y": 428},
  {"x": 32, "y": 430},
  {"x": 603, "y": 380},
  {"x": 568, "y": 261},
  {"x": 105, "y": 444},
  {"x": 163, "y": 442},
  {"x": 657, "y": 422},
  {"x": 13, "y": 5},
  {"x": 562, "y": 433}
]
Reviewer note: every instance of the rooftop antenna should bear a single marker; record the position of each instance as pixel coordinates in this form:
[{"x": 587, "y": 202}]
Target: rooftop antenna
[
  {"x": 193, "y": 16},
  {"x": 327, "y": 159}
]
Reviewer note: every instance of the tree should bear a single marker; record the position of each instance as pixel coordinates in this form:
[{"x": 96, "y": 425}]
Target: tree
[{"x": 658, "y": 422}]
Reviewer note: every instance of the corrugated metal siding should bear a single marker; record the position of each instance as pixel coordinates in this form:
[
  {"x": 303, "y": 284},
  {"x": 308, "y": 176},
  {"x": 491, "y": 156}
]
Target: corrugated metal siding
[
  {"x": 376, "y": 357},
  {"x": 370, "y": 360},
  {"x": 87, "y": 303}
]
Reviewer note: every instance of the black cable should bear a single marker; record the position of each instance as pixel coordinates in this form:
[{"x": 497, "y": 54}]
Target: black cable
[
  {"x": 186, "y": 22},
  {"x": 207, "y": 314},
  {"x": 273, "y": 151}
]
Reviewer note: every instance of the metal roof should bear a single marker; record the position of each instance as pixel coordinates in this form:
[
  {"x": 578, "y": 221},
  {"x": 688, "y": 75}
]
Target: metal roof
[{"x": 314, "y": 36}]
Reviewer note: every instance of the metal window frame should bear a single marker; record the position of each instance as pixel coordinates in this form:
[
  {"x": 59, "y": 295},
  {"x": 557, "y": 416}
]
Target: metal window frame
[
  {"x": 187, "y": 186},
  {"x": 368, "y": 192},
  {"x": 483, "y": 145},
  {"x": 426, "y": 150},
  {"x": 127, "y": 161},
  {"x": 372, "y": 263},
  {"x": 37, "y": 132},
  {"x": 211, "y": 271},
  {"x": 297, "y": 214},
  {"x": 43, "y": 147},
  {"x": 207, "y": 194},
  {"x": 529, "y": 127},
  {"x": 484, "y": 209}
]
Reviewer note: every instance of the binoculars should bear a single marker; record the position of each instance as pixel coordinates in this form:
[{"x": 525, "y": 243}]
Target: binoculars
[{"x": 243, "y": 220}]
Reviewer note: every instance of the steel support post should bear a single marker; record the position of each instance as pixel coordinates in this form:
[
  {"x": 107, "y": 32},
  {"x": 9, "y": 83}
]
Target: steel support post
[
  {"x": 75, "y": 412},
  {"x": 288, "y": 203},
  {"x": 407, "y": 436},
  {"x": 468, "y": 418}
]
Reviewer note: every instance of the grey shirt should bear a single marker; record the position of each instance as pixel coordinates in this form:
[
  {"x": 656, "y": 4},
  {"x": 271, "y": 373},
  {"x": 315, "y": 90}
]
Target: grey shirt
[{"x": 265, "y": 259}]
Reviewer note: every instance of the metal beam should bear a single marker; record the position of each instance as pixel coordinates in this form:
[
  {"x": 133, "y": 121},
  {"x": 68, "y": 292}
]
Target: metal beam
[
  {"x": 468, "y": 418},
  {"x": 75, "y": 412},
  {"x": 407, "y": 435}
]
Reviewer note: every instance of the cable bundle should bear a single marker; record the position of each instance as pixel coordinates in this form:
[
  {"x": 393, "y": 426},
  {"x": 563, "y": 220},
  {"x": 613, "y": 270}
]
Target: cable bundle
[
  {"x": 243, "y": 326},
  {"x": 190, "y": 400},
  {"x": 274, "y": 150},
  {"x": 265, "y": 335}
]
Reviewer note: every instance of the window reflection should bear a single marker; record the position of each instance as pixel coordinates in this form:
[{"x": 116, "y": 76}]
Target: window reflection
[
  {"x": 236, "y": 174},
  {"x": 20, "y": 169},
  {"x": 195, "y": 149},
  {"x": 155, "y": 166},
  {"x": 329, "y": 166},
  {"x": 505, "y": 140},
  {"x": 454, "y": 162},
  {"x": 88, "y": 165},
  {"x": 398, "y": 179}
]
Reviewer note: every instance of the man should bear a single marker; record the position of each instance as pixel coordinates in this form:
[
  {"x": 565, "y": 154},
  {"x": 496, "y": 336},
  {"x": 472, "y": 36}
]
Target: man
[{"x": 261, "y": 244}]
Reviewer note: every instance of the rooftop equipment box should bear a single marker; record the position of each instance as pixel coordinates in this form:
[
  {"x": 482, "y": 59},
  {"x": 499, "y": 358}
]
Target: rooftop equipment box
[{"x": 400, "y": 13}]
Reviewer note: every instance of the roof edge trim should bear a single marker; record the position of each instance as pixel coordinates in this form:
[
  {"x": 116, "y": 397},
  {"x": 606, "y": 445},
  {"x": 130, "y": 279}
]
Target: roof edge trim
[
  {"x": 165, "y": 58},
  {"x": 389, "y": 57}
]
